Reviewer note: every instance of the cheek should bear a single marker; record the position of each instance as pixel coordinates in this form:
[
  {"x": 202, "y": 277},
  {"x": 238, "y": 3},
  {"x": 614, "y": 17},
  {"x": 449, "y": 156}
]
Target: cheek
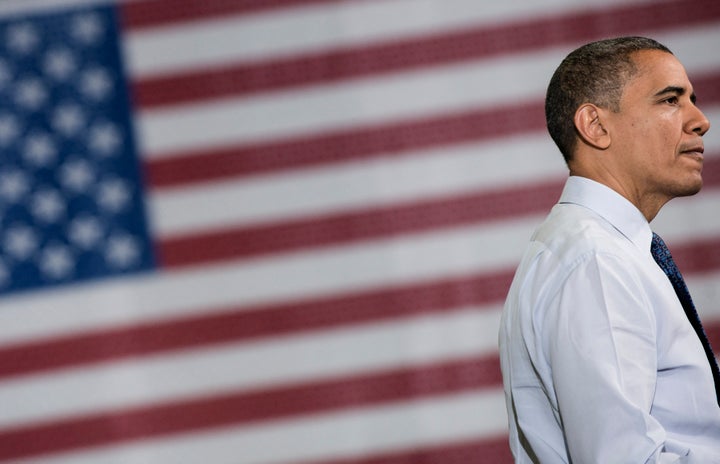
[{"x": 659, "y": 136}]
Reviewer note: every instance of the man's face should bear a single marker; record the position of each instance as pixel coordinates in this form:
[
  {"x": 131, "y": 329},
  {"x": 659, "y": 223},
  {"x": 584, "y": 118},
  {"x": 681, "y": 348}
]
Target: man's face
[{"x": 657, "y": 134}]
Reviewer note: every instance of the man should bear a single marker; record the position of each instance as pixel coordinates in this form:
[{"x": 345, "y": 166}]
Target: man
[{"x": 600, "y": 360}]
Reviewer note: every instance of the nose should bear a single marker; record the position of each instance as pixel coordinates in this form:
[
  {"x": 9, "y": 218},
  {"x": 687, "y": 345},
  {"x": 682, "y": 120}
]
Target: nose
[{"x": 697, "y": 122}]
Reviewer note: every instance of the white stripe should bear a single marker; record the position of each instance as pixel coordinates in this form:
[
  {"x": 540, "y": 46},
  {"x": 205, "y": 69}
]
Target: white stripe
[
  {"x": 355, "y": 185},
  {"x": 284, "y": 277},
  {"x": 711, "y": 138},
  {"x": 684, "y": 44},
  {"x": 690, "y": 218},
  {"x": 231, "y": 368},
  {"x": 10, "y": 8},
  {"x": 511, "y": 78},
  {"x": 276, "y": 34},
  {"x": 705, "y": 291},
  {"x": 404, "y": 425}
]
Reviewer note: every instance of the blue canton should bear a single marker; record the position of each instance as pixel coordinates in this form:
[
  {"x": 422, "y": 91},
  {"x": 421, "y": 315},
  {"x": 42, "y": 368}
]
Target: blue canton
[{"x": 70, "y": 193}]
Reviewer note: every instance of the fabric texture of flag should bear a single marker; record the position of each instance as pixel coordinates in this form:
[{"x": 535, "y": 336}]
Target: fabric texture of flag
[{"x": 263, "y": 232}]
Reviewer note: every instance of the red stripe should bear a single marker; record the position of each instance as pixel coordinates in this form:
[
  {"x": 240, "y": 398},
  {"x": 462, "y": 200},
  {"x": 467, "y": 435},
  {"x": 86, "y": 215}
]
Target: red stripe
[
  {"x": 706, "y": 87},
  {"x": 363, "y": 143},
  {"x": 480, "y": 451},
  {"x": 243, "y": 324},
  {"x": 152, "y": 13},
  {"x": 698, "y": 255},
  {"x": 359, "y": 143},
  {"x": 435, "y": 49},
  {"x": 711, "y": 171},
  {"x": 368, "y": 224},
  {"x": 248, "y": 407},
  {"x": 712, "y": 330}
]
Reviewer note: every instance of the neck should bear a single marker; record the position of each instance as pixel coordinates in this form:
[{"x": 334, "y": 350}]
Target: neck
[{"x": 649, "y": 205}]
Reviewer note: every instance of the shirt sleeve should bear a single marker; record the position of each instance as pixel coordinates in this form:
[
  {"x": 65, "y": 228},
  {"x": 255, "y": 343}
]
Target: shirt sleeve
[{"x": 599, "y": 335}]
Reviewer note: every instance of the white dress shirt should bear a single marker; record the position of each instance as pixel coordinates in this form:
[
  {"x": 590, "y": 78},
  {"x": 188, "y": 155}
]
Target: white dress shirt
[{"x": 599, "y": 362}]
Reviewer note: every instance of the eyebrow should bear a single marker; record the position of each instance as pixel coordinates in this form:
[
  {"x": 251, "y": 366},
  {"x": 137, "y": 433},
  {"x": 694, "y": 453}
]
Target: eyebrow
[{"x": 679, "y": 91}]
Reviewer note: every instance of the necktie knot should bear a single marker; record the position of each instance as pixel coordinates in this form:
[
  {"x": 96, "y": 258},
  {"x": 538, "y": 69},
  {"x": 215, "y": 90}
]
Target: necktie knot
[{"x": 663, "y": 258}]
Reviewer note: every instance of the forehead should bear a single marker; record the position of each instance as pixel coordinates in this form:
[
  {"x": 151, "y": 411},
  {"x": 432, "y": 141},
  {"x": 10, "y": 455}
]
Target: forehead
[{"x": 657, "y": 70}]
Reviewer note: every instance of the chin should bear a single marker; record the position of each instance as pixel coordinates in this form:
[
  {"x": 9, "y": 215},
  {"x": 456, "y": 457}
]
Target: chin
[{"x": 689, "y": 188}]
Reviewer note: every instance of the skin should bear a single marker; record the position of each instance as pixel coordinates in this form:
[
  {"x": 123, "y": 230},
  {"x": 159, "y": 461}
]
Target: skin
[{"x": 651, "y": 150}]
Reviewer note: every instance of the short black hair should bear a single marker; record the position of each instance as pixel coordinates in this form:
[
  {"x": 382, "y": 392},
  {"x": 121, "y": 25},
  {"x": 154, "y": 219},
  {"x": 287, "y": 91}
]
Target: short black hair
[{"x": 594, "y": 73}]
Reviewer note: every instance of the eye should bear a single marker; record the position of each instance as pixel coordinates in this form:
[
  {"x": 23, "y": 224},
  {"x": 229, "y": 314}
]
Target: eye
[{"x": 674, "y": 100}]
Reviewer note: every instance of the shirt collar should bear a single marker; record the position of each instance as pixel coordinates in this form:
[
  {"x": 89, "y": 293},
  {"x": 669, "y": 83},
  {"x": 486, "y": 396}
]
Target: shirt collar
[{"x": 611, "y": 206}]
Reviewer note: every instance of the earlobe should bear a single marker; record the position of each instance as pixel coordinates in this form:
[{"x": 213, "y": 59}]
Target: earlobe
[{"x": 590, "y": 126}]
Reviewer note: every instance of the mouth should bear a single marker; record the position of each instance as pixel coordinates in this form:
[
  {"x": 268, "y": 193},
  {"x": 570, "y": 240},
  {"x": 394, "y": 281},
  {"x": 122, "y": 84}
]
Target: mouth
[{"x": 695, "y": 151}]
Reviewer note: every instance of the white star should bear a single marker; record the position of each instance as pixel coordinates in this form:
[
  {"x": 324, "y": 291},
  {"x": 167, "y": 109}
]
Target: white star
[
  {"x": 76, "y": 175},
  {"x": 22, "y": 38},
  {"x": 56, "y": 261},
  {"x": 30, "y": 93},
  {"x": 85, "y": 232},
  {"x": 88, "y": 28},
  {"x": 113, "y": 195},
  {"x": 9, "y": 129},
  {"x": 14, "y": 184},
  {"x": 96, "y": 84},
  {"x": 104, "y": 139},
  {"x": 47, "y": 205},
  {"x": 122, "y": 251},
  {"x": 68, "y": 119},
  {"x": 59, "y": 64},
  {"x": 20, "y": 241},
  {"x": 40, "y": 149}
]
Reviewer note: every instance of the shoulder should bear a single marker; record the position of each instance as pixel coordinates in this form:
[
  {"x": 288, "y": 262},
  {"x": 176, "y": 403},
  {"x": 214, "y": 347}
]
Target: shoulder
[
  {"x": 577, "y": 260},
  {"x": 571, "y": 243},
  {"x": 572, "y": 232}
]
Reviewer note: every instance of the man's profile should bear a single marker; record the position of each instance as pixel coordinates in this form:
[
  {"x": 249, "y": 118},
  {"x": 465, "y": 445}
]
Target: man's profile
[{"x": 603, "y": 355}]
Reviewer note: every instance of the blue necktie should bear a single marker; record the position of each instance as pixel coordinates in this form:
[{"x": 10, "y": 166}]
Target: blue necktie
[{"x": 662, "y": 256}]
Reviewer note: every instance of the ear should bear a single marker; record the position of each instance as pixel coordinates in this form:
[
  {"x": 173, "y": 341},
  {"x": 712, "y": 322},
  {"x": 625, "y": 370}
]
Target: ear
[{"x": 589, "y": 122}]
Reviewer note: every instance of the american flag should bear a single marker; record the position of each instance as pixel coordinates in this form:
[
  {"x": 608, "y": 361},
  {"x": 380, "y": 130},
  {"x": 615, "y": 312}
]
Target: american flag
[{"x": 255, "y": 232}]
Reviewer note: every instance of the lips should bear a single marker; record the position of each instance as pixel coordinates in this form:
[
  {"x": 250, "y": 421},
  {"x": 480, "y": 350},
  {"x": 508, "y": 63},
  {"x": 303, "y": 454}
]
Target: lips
[{"x": 694, "y": 151}]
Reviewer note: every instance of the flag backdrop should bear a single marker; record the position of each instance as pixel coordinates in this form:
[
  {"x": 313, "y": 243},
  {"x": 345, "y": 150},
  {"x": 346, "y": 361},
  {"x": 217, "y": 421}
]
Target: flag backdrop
[{"x": 247, "y": 231}]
